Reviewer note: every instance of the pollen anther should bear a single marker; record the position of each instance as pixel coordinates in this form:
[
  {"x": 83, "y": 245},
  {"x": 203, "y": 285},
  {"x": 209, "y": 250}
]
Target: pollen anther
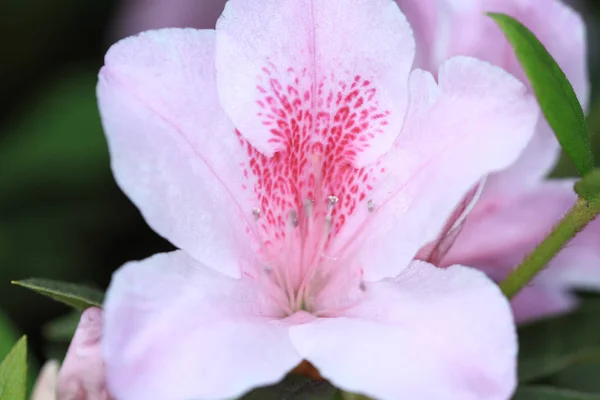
[
  {"x": 332, "y": 200},
  {"x": 370, "y": 206}
]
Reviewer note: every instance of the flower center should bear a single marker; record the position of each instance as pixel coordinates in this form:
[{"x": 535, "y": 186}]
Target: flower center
[
  {"x": 309, "y": 192},
  {"x": 299, "y": 273}
]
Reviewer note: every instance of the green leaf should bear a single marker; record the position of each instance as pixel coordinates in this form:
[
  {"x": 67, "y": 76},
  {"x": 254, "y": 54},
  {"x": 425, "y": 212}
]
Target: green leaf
[
  {"x": 57, "y": 138},
  {"x": 551, "y": 393},
  {"x": 551, "y": 345},
  {"x": 77, "y": 296},
  {"x": 555, "y": 94},
  {"x": 8, "y": 335},
  {"x": 295, "y": 387},
  {"x": 589, "y": 186},
  {"x": 13, "y": 373},
  {"x": 582, "y": 377}
]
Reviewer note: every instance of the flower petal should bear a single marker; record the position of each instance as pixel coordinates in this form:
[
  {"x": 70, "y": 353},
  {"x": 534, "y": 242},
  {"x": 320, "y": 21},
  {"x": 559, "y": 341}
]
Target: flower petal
[
  {"x": 430, "y": 334},
  {"x": 173, "y": 151},
  {"x": 423, "y": 18},
  {"x": 509, "y": 228},
  {"x": 299, "y": 63},
  {"x": 557, "y": 26},
  {"x": 175, "y": 329},
  {"x": 82, "y": 374},
  {"x": 500, "y": 232},
  {"x": 476, "y": 120},
  {"x": 536, "y": 301}
]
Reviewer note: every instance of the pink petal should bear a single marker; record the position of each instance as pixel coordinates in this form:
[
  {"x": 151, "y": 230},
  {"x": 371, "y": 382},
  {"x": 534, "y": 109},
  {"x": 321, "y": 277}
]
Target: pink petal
[
  {"x": 558, "y": 27},
  {"x": 276, "y": 58},
  {"x": 423, "y": 18},
  {"x": 436, "y": 250},
  {"x": 500, "y": 232},
  {"x": 536, "y": 302},
  {"x": 578, "y": 263},
  {"x": 173, "y": 151},
  {"x": 476, "y": 120},
  {"x": 175, "y": 329},
  {"x": 428, "y": 334},
  {"x": 509, "y": 228},
  {"x": 81, "y": 375}
]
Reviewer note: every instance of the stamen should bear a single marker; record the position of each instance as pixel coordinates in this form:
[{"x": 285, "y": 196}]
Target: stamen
[
  {"x": 370, "y": 206},
  {"x": 293, "y": 218},
  {"x": 332, "y": 200},
  {"x": 256, "y": 213},
  {"x": 362, "y": 286},
  {"x": 316, "y": 259},
  {"x": 308, "y": 207}
]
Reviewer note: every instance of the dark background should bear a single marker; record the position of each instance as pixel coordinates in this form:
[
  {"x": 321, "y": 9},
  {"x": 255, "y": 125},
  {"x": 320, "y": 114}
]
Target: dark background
[{"x": 61, "y": 214}]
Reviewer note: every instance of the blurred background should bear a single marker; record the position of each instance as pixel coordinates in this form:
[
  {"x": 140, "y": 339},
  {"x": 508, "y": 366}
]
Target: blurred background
[{"x": 61, "y": 214}]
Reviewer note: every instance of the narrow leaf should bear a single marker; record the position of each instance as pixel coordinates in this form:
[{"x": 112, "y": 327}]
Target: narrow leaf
[
  {"x": 13, "y": 373},
  {"x": 551, "y": 345},
  {"x": 77, "y": 296},
  {"x": 551, "y": 393},
  {"x": 555, "y": 94}
]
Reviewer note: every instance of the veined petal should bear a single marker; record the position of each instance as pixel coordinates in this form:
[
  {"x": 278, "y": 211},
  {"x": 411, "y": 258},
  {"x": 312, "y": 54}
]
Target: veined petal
[
  {"x": 430, "y": 334},
  {"x": 291, "y": 70},
  {"x": 175, "y": 329},
  {"x": 475, "y": 120},
  {"x": 173, "y": 150}
]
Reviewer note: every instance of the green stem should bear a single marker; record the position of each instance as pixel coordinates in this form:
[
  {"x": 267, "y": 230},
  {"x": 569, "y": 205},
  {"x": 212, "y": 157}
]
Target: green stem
[{"x": 582, "y": 213}]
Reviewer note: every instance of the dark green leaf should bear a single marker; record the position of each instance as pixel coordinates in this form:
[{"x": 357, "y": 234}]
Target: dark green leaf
[
  {"x": 77, "y": 296},
  {"x": 8, "y": 335},
  {"x": 551, "y": 345},
  {"x": 295, "y": 387},
  {"x": 554, "y": 92},
  {"x": 583, "y": 377},
  {"x": 550, "y": 393},
  {"x": 58, "y": 137},
  {"x": 13, "y": 373}
]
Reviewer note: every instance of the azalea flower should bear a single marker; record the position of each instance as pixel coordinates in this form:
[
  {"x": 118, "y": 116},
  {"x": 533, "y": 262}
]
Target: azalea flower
[
  {"x": 517, "y": 207},
  {"x": 299, "y": 165}
]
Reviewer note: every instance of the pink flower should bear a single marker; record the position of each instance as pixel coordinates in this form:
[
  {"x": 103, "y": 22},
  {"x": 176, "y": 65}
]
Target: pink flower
[
  {"x": 299, "y": 165},
  {"x": 517, "y": 207},
  {"x": 81, "y": 375}
]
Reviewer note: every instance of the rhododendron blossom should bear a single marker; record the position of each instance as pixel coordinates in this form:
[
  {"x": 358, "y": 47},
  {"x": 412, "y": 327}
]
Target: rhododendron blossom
[
  {"x": 299, "y": 164},
  {"x": 517, "y": 207}
]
